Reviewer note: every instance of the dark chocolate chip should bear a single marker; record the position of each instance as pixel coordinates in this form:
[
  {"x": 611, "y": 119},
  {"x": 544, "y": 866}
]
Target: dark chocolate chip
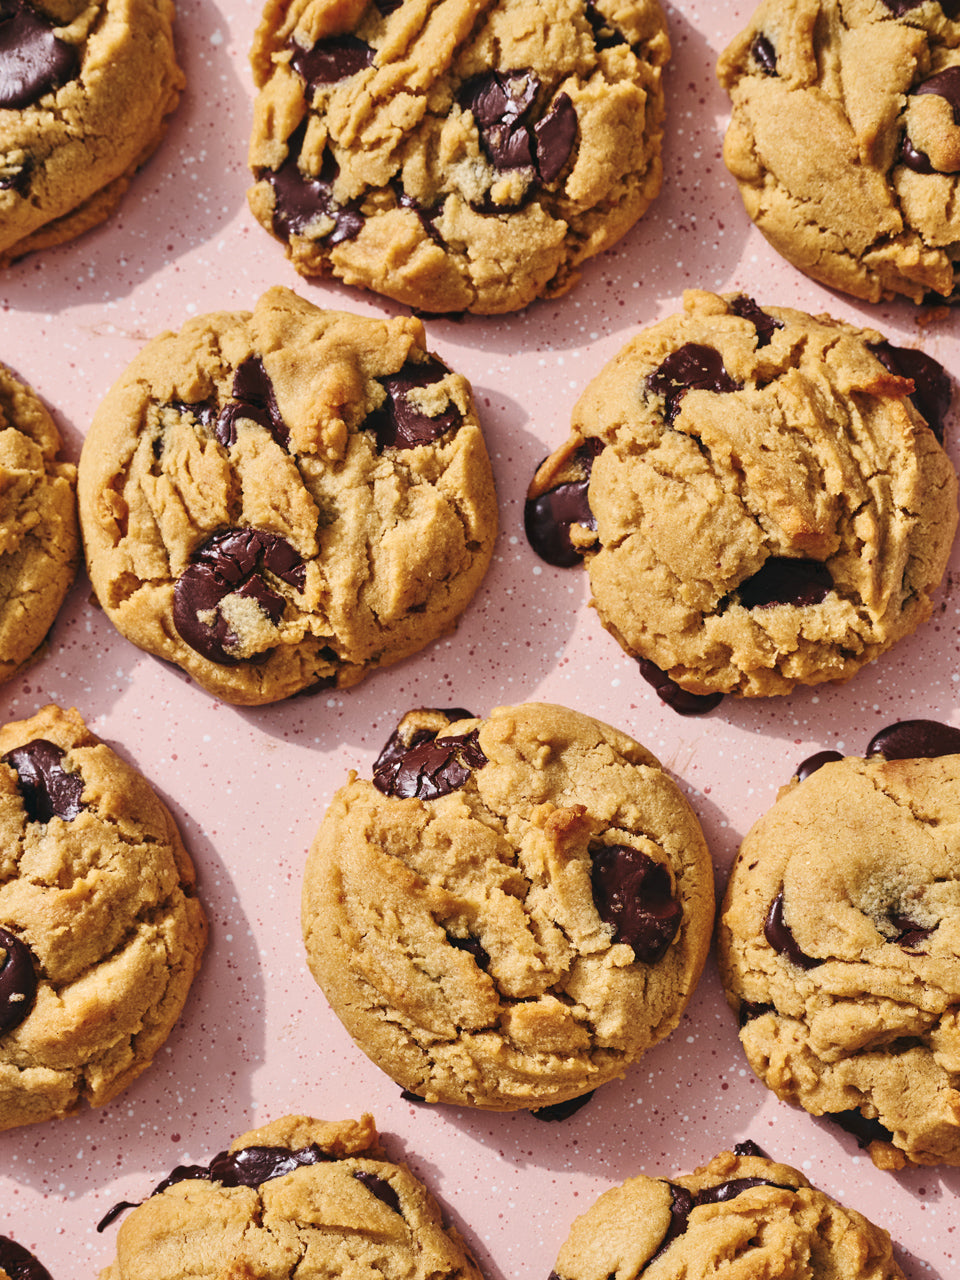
[
  {"x": 432, "y": 769},
  {"x": 19, "y": 1263},
  {"x": 18, "y": 982},
  {"x": 909, "y": 933},
  {"x": 386, "y": 7},
  {"x": 329, "y": 60},
  {"x": 683, "y": 1202},
  {"x": 677, "y": 698},
  {"x": 407, "y": 1096},
  {"x": 555, "y": 135},
  {"x": 692, "y": 367},
  {"x": 396, "y": 748},
  {"x": 777, "y": 932},
  {"x": 815, "y": 762},
  {"x": 913, "y": 157},
  {"x": 681, "y": 1206},
  {"x": 253, "y": 399},
  {"x": 932, "y": 387},
  {"x": 202, "y": 411},
  {"x": 498, "y": 101},
  {"x": 736, "y": 1186},
  {"x": 399, "y": 423},
  {"x": 16, "y": 177},
  {"x": 473, "y": 948},
  {"x": 45, "y": 787},
  {"x": 750, "y": 1009},
  {"x": 33, "y": 61},
  {"x": 380, "y": 1188},
  {"x": 781, "y": 580},
  {"x": 764, "y": 54},
  {"x": 945, "y": 84},
  {"x": 863, "y": 1129},
  {"x": 915, "y": 740},
  {"x": 951, "y": 8},
  {"x": 749, "y": 1148},
  {"x": 605, "y": 34},
  {"x": 547, "y": 520},
  {"x": 764, "y": 324},
  {"x": 428, "y": 217},
  {"x": 633, "y": 893},
  {"x": 558, "y": 1111},
  {"x": 300, "y": 200},
  {"x": 231, "y": 562}
]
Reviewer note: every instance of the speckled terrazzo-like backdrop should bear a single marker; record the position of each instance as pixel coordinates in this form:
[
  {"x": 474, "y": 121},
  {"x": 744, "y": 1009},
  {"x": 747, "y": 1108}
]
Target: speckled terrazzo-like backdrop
[{"x": 249, "y": 786}]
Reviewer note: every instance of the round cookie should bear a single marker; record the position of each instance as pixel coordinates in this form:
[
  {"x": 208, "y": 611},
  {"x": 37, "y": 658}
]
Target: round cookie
[
  {"x": 286, "y": 498},
  {"x": 845, "y": 140},
  {"x": 100, "y": 929},
  {"x": 513, "y": 910},
  {"x": 85, "y": 92},
  {"x": 760, "y": 496},
  {"x": 297, "y": 1197},
  {"x": 456, "y": 155},
  {"x": 840, "y": 938},
  {"x": 740, "y": 1215},
  {"x": 39, "y": 539}
]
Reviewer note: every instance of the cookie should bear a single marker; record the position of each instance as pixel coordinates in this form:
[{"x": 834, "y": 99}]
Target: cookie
[
  {"x": 741, "y": 1215},
  {"x": 513, "y": 910},
  {"x": 39, "y": 539},
  {"x": 297, "y": 1197},
  {"x": 840, "y": 938},
  {"x": 845, "y": 140},
  {"x": 760, "y": 496},
  {"x": 458, "y": 155},
  {"x": 286, "y": 498},
  {"x": 85, "y": 93},
  {"x": 100, "y": 928}
]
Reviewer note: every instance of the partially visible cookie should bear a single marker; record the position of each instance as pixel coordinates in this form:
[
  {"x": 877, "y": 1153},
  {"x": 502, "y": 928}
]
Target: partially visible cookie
[
  {"x": 741, "y": 1215},
  {"x": 297, "y": 1197},
  {"x": 39, "y": 539},
  {"x": 761, "y": 497},
  {"x": 85, "y": 92},
  {"x": 845, "y": 140},
  {"x": 839, "y": 944},
  {"x": 100, "y": 929},
  {"x": 286, "y": 498},
  {"x": 456, "y": 155},
  {"x": 513, "y": 910}
]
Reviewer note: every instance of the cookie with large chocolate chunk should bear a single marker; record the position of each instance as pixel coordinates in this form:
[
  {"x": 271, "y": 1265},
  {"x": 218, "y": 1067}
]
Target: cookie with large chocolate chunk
[
  {"x": 296, "y": 1197},
  {"x": 286, "y": 498},
  {"x": 761, "y": 497},
  {"x": 85, "y": 94},
  {"x": 839, "y": 943},
  {"x": 39, "y": 538},
  {"x": 740, "y": 1215},
  {"x": 513, "y": 910},
  {"x": 845, "y": 140},
  {"x": 101, "y": 932},
  {"x": 455, "y": 155}
]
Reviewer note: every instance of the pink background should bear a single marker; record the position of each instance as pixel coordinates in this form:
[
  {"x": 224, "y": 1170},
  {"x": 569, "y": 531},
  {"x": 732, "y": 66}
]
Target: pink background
[{"x": 249, "y": 786}]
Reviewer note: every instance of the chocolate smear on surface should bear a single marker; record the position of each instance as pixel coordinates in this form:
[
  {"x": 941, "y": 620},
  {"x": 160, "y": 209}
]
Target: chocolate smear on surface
[
  {"x": 692, "y": 367},
  {"x": 676, "y": 697},
  {"x": 33, "y": 61},
  {"x": 777, "y": 932},
  {"x": 18, "y": 982},
  {"x": 634, "y": 895},
  {"x": 548, "y": 519},
  {"x": 45, "y": 787},
  {"x": 399, "y": 423},
  {"x": 431, "y": 769}
]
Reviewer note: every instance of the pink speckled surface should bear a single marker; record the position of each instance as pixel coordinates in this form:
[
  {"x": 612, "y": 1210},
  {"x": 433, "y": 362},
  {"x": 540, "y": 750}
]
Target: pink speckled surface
[{"x": 249, "y": 786}]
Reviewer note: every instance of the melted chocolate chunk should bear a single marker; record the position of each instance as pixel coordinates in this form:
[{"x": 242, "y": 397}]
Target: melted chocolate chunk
[
  {"x": 605, "y": 34},
  {"x": 380, "y": 1188},
  {"x": 815, "y": 762},
  {"x": 255, "y": 400},
  {"x": 951, "y": 8},
  {"x": 399, "y": 423},
  {"x": 555, "y": 135},
  {"x": 677, "y": 698},
  {"x": 764, "y": 324},
  {"x": 749, "y": 1148},
  {"x": 202, "y": 411},
  {"x": 683, "y": 1202},
  {"x": 33, "y": 61},
  {"x": 777, "y": 932},
  {"x": 231, "y": 563},
  {"x": 764, "y": 54},
  {"x": 396, "y": 748},
  {"x": 300, "y": 200},
  {"x": 558, "y": 1111},
  {"x": 909, "y": 933},
  {"x": 16, "y": 178},
  {"x": 692, "y": 367},
  {"x": 19, "y": 1263},
  {"x": 915, "y": 740},
  {"x": 863, "y": 1129},
  {"x": 18, "y": 982},
  {"x": 932, "y": 387},
  {"x": 914, "y": 158},
  {"x": 781, "y": 580},
  {"x": 946, "y": 84},
  {"x": 498, "y": 101},
  {"x": 547, "y": 520},
  {"x": 431, "y": 769},
  {"x": 329, "y": 60},
  {"x": 750, "y": 1009},
  {"x": 633, "y": 894},
  {"x": 428, "y": 217},
  {"x": 473, "y": 948},
  {"x": 45, "y": 787}
]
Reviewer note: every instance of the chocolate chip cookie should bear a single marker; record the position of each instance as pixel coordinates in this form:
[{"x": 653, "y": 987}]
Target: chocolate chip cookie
[
  {"x": 760, "y": 496},
  {"x": 740, "y": 1215},
  {"x": 513, "y": 910},
  {"x": 845, "y": 140},
  {"x": 296, "y": 1197},
  {"x": 100, "y": 928},
  {"x": 39, "y": 539},
  {"x": 286, "y": 498},
  {"x": 85, "y": 93},
  {"x": 456, "y": 155},
  {"x": 840, "y": 939}
]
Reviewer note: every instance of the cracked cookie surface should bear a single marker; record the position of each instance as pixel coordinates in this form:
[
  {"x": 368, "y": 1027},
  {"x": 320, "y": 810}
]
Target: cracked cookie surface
[
  {"x": 297, "y": 1197},
  {"x": 839, "y": 946},
  {"x": 39, "y": 539},
  {"x": 286, "y": 498},
  {"x": 85, "y": 93},
  {"x": 741, "y": 1215},
  {"x": 456, "y": 155},
  {"x": 760, "y": 496},
  {"x": 513, "y": 910},
  {"x": 100, "y": 929},
  {"x": 845, "y": 140}
]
